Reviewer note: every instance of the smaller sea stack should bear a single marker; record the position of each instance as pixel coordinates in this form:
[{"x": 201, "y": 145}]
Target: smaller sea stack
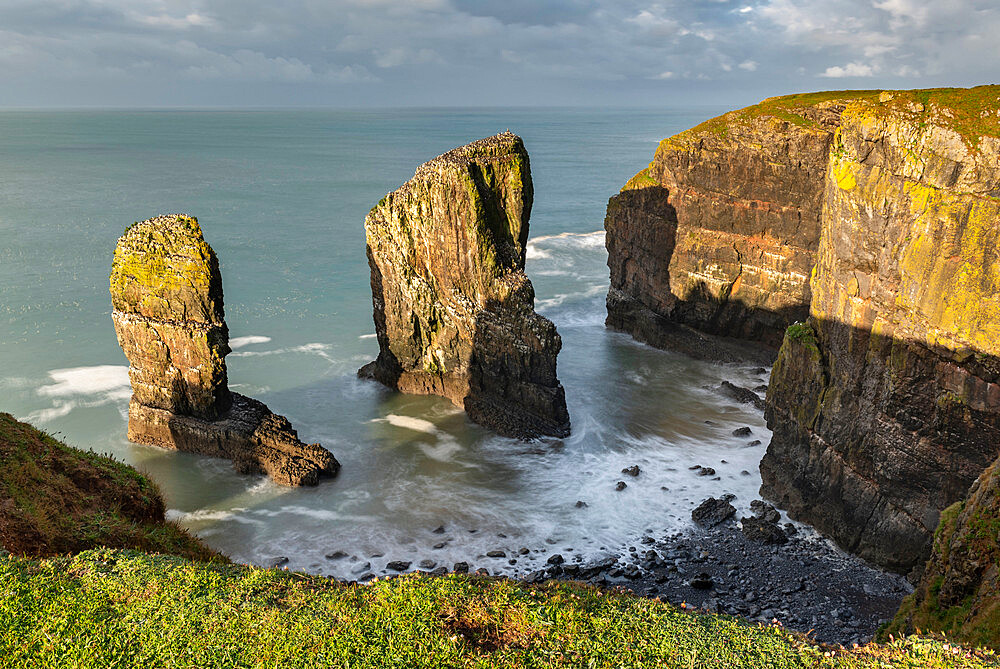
[
  {"x": 166, "y": 294},
  {"x": 454, "y": 310}
]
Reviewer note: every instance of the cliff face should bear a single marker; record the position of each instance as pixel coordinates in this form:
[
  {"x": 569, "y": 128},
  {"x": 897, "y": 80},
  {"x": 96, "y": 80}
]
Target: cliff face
[
  {"x": 719, "y": 233},
  {"x": 885, "y": 407},
  {"x": 166, "y": 294},
  {"x": 959, "y": 593},
  {"x": 454, "y": 311}
]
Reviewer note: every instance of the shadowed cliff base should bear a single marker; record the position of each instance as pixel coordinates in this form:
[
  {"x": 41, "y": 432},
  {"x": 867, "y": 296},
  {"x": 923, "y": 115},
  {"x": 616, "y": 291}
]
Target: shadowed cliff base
[
  {"x": 959, "y": 593},
  {"x": 453, "y": 309},
  {"x": 643, "y": 324},
  {"x": 874, "y": 436}
]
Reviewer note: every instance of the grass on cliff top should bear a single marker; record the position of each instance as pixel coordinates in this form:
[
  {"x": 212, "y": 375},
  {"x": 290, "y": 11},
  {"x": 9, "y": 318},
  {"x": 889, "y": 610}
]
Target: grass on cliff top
[
  {"x": 788, "y": 108},
  {"x": 58, "y": 499},
  {"x": 972, "y": 112},
  {"x": 107, "y": 608}
]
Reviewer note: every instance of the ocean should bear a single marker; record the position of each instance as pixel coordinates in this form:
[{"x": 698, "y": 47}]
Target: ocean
[{"x": 282, "y": 196}]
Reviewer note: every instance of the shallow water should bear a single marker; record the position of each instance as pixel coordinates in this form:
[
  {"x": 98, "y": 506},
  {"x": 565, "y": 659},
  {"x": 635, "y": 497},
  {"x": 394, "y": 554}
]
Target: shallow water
[{"x": 282, "y": 196}]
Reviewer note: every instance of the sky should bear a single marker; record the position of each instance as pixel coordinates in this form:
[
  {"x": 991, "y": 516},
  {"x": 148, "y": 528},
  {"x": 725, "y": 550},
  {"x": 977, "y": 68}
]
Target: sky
[{"x": 402, "y": 53}]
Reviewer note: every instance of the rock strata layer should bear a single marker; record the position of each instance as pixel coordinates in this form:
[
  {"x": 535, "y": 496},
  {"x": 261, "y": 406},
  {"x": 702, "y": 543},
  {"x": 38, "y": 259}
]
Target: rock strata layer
[
  {"x": 454, "y": 311},
  {"x": 885, "y": 405},
  {"x": 166, "y": 294},
  {"x": 719, "y": 233}
]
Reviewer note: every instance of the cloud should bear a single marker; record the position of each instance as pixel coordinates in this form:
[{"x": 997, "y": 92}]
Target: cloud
[
  {"x": 849, "y": 70},
  {"x": 472, "y": 52}
]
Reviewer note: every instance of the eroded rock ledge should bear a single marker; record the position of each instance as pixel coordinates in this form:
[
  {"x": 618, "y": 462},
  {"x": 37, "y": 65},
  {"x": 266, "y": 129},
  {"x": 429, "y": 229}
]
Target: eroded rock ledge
[
  {"x": 454, "y": 311},
  {"x": 166, "y": 294}
]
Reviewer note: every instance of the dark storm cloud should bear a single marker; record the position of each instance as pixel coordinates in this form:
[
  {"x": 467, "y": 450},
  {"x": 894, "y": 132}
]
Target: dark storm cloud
[{"x": 448, "y": 52}]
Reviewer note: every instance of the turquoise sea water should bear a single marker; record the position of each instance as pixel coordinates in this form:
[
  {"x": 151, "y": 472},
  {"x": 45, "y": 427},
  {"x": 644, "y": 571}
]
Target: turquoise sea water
[{"x": 282, "y": 196}]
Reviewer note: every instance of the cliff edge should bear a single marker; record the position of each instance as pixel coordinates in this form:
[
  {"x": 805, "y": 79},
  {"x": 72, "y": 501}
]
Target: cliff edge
[
  {"x": 166, "y": 293},
  {"x": 453, "y": 309}
]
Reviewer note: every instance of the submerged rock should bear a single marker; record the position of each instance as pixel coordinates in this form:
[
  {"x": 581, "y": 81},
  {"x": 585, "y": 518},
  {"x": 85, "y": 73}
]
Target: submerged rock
[
  {"x": 741, "y": 395},
  {"x": 454, "y": 311},
  {"x": 166, "y": 294}
]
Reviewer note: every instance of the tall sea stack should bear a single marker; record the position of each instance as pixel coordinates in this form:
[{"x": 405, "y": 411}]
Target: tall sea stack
[
  {"x": 166, "y": 294},
  {"x": 453, "y": 308}
]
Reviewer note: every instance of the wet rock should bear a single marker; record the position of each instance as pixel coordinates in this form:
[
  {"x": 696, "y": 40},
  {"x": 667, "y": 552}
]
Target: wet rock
[
  {"x": 632, "y": 471},
  {"x": 439, "y": 571},
  {"x": 454, "y": 310},
  {"x": 272, "y": 563},
  {"x": 741, "y": 395},
  {"x": 713, "y": 511},
  {"x": 367, "y": 566},
  {"x": 742, "y": 432},
  {"x": 166, "y": 294},
  {"x": 765, "y": 511},
  {"x": 702, "y": 581},
  {"x": 427, "y": 564},
  {"x": 496, "y": 554},
  {"x": 461, "y": 568},
  {"x": 754, "y": 443},
  {"x": 621, "y": 485},
  {"x": 580, "y": 504},
  {"x": 398, "y": 565},
  {"x": 761, "y": 531},
  {"x": 706, "y": 471},
  {"x": 438, "y": 530},
  {"x": 336, "y": 555},
  {"x": 439, "y": 545},
  {"x": 555, "y": 559},
  {"x": 536, "y": 576}
]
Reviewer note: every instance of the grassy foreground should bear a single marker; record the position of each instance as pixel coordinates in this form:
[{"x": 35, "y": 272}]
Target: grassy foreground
[
  {"x": 111, "y": 608},
  {"x": 58, "y": 499}
]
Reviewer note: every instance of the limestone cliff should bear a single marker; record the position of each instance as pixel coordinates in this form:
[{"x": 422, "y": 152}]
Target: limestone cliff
[
  {"x": 454, "y": 311},
  {"x": 166, "y": 294},
  {"x": 885, "y": 405},
  {"x": 719, "y": 233},
  {"x": 959, "y": 593}
]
